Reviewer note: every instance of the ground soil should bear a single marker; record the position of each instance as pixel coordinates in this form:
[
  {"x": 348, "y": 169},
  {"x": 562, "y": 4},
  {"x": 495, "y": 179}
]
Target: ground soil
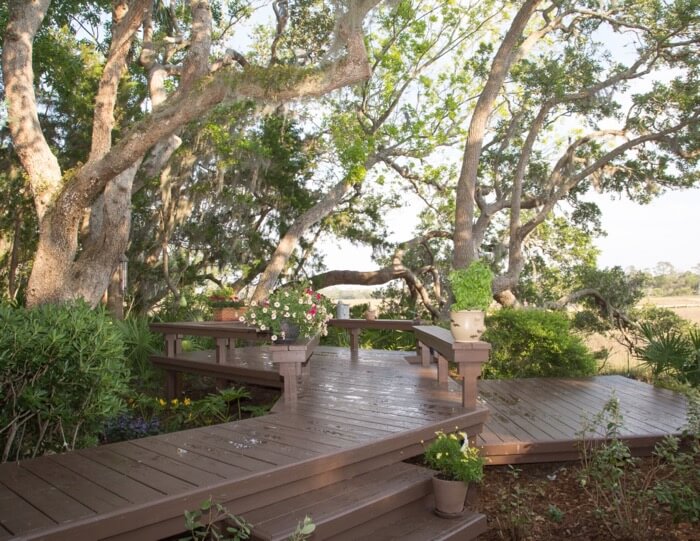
[{"x": 545, "y": 502}]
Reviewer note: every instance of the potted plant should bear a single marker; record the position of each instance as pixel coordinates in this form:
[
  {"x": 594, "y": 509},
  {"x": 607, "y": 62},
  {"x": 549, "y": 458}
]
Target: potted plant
[
  {"x": 289, "y": 312},
  {"x": 458, "y": 468},
  {"x": 471, "y": 288},
  {"x": 225, "y": 305}
]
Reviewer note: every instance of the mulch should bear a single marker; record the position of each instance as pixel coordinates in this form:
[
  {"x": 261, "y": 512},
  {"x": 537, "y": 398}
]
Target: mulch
[{"x": 546, "y": 502}]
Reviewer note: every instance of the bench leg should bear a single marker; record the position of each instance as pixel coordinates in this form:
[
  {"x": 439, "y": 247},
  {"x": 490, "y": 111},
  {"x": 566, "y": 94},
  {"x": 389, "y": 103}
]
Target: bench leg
[
  {"x": 173, "y": 384},
  {"x": 354, "y": 343},
  {"x": 424, "y": 355},
  {"x": 443, "y": 369},
  {"x": 470, "y": 374},
  {"x": 288, "y": 371},
  {"x": 221, "y": 350}
]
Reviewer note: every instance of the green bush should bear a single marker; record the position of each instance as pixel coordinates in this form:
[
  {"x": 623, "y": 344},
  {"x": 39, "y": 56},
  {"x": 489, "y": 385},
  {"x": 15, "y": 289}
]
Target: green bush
[
  {"x": 532, "y": 343},
  {"x": 62, "y": 373},
  {"x": 671, "y": 353},
  {"x": 139, "y": 344}
]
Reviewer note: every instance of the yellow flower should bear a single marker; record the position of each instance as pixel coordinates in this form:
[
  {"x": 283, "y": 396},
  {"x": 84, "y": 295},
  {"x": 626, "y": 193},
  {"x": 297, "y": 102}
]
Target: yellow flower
[
  {"x": 174, "y": 401},
  {"x": 438, "y": 456},
  {"x": 162, "y": 402},
  {"x": 187, "y": 402}
]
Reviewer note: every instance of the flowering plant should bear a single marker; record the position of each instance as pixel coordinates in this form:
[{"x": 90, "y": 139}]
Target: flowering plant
[
  {"x": 296, "y": 304},
  {"x": 224, "y": 297},
  {"x": 452, "y": 457}
]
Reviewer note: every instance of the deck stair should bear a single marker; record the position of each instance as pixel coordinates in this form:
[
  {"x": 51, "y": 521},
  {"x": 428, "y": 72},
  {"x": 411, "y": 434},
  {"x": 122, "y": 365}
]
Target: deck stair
[{"x": 374, "y": 505}]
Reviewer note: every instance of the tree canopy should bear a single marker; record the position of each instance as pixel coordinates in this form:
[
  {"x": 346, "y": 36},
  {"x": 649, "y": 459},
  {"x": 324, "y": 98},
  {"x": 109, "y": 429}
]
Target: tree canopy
[{"x": 161, "y": 133}]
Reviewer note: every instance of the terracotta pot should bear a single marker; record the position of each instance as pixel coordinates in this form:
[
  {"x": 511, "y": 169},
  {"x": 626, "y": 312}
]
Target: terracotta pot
[
  {"x": 449, "y": 496},
  {"x": 229, "y": 313},
  {"x": 467, "y": 325}
]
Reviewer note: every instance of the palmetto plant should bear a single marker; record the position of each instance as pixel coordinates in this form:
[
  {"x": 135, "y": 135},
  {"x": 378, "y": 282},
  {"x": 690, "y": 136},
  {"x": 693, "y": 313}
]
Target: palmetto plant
[{"x": 671, "y": 352}]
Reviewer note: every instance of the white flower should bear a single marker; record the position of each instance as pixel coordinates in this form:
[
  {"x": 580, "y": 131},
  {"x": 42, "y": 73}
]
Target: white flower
[
  {"x": 308, "y": 317},
  {"x": 286, "y": 308},
  {"x": 302, "y": 300},
  {"x": 286, "y": 293},
  {"x": 277, "y": 304},
  {"x": 263, "y": 328},
  {"x": 241, "y": 319},
  {"x": 265, "y": 310},
  {"x": 253, "y": 303},
  {"x": 273, "y": 316},
  {"x": 274, "y": 337},
  {"x": 286, "y": 314},
  {"x": 252, "y": 315}
]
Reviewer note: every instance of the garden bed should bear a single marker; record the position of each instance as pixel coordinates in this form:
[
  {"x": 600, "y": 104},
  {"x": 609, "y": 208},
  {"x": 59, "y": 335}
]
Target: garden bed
[{"x": 546, "y": 502}]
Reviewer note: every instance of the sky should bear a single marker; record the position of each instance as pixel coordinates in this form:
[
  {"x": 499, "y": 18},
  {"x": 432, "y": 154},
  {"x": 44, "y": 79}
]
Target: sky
[
  {"x": 667, "y": 229},
  {"x": 642, "y": 235}
]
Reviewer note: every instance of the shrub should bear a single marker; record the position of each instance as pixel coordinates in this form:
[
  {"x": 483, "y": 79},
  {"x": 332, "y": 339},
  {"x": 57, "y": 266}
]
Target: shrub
[
  {"x": 62, "y": 373},
  {"x": 531, "y": 343},
  {"x": 671, "y": 352},
  {"x": 630, "y": 499},
  {"x": 139, "y": 344}
]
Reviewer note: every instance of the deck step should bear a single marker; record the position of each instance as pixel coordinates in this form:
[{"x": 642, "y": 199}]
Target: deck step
[
  {"x": 345, "y": 505},
  {"x": 416, "y": 522}
]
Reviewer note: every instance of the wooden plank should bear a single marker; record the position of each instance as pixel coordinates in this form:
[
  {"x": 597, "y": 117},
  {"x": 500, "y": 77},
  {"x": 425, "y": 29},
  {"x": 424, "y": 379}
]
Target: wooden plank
[
  {"x": 273, "y": 448},
  {"x": 116, "y": 482},
  {"x": 83, "y": 490},
  {"x": 191, "y": 457},
  {"x": 264, "y": 430},
  {"x": 217, "y": 448},
  {"x": 45, "y": 497},
  {"x": 17, "y": 515},
  {"x": 188, "y": 473},
  {"x": 157, "y": 480},
  {"x": 380, "y": 324}
]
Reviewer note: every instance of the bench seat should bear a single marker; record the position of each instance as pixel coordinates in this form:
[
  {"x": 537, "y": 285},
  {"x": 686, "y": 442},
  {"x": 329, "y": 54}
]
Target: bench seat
[{"x": 469, "y": 357}]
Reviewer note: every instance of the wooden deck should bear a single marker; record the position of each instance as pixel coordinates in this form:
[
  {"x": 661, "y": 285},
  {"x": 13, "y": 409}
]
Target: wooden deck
[
  {"x": 351, "y": 417},
  {"x": 354, "y": 422},
  {"x": 539, "y": 419}
]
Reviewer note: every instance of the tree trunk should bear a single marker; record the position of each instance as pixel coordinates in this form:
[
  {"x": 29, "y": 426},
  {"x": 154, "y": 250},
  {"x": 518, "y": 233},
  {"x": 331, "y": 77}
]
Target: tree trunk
[
  {"x": 465, "y": 248},
  {"x": 290, "y": 240},
  {"x": 115, "y": 295}
]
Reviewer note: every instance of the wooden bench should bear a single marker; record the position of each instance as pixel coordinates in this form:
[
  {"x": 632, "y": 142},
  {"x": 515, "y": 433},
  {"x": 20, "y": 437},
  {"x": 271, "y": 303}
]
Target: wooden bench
[
  {"x": 469, "y": 356},
  {"x": 354, "y": 326},
  {"x": 291, "y": 360}
]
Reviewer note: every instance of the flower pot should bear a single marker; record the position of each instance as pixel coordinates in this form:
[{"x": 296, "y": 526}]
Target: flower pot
[
  {"x": 229, "y": 313},
  {"x": 290, "y": 330},
  {"x": 467, "y": 325},
  {"x": 449, "y": 497}
]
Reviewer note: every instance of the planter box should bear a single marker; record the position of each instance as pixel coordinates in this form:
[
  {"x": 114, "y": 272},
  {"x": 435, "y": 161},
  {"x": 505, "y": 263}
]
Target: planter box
[{"x": 229, "y": 313}]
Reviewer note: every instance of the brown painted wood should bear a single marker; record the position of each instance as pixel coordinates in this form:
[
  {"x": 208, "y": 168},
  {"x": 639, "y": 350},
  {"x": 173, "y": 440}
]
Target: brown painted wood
[
  {"x": 352, "y": 417},
  {"x": 155, "y": 479},
  {"x": 339, "y": 507},
  {"x": 83, "y": 490},
  {"x": 354, "y": 326},
  {"x": 43, "y": 496},
  {"x": 17, "y": 516},
  {"x": 469, "y": 356},
  {"x": 417, "y": 522}
]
